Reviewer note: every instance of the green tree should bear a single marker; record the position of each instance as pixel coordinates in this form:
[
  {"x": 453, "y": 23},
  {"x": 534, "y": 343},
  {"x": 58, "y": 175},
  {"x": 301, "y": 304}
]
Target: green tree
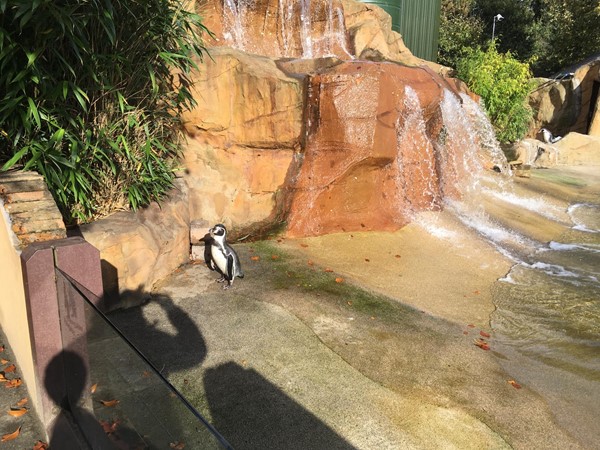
[
  {"x": 568, "y": 32},
  {"x": 91, "y": 91},
  {"x": 516, "y": 32},
  {"x": 460, "y": 29},
  {"x": 503, "y": 84}
]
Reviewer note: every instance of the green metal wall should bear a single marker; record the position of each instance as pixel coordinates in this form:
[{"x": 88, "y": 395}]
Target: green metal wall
[{"x": 418, "y": 21}]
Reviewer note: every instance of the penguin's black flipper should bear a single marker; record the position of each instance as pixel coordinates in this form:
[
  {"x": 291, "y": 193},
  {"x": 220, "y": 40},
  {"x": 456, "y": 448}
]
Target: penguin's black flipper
[
  {"x": 208, "y": 260},
  {"x": 230, "y": 270}
]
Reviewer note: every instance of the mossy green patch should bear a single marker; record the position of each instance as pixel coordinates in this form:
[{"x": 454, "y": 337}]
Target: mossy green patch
[{"x": 290, "y": 272}]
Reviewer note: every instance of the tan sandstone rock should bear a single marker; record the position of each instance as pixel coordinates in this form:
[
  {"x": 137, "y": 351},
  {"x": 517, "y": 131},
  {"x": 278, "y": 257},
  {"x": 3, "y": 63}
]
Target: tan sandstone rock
[
  {"x": 242, "y": 138},
  {"x": 141, "y": 248},
  {"x": 577, "y": 149}
]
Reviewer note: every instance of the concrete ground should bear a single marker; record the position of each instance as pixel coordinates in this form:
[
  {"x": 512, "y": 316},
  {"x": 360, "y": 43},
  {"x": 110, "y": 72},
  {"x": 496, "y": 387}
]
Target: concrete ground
[
  {"x": 299, "y": 355},
  {"x": 354, "y": 340},
  {"x": 19, "y": 430}
]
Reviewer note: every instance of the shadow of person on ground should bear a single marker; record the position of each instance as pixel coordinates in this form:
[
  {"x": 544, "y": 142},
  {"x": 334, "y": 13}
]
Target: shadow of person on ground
[
  {"x": 185, "y": 347},
  {"x": 253, "y": 413},
  {"x": 75, "y": 426}
]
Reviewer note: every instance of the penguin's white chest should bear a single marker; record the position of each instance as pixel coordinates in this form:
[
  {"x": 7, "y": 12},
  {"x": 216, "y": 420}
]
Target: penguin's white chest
[{"x": 219, "y": 258}]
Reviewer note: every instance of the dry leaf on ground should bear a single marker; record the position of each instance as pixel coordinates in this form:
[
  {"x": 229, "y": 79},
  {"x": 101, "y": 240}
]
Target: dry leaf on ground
[
  {"x": 514, "y": 384},
  {"x": 23, "y": 401},
  {"x": 109, "y": 403},
  {"x": 17, "y": 412},
  {"x": 339, "y": 280},
  {"x": 177, "y": 445},
  {"x": 10, "y": 369},
  {"x": 16, "y": 382},
  {"x": 482, "y": 344},
  {"x": 39, "y": 445},
  {"x": 255, "y": 258},
  {"x": 11, "y": 436},
  {"x": 93, "y": 388},
  {"x": 484, "y": 334}
]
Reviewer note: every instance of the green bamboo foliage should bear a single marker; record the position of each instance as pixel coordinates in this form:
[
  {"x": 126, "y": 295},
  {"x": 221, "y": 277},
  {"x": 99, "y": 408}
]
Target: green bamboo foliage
[{"x": 90, "y": 95}]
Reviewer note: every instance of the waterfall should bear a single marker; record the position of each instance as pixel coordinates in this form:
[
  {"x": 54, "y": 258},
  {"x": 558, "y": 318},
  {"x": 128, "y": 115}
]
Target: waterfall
[
  {"x": 293, "y": 29},
  {"x": 412, "y": 137}
]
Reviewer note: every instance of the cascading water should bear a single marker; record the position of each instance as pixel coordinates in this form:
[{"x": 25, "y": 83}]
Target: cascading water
[
  {"x": 548, "y": 306},
  {"x": 411, "y": 133},
  {"x": 303, "y": 29}
]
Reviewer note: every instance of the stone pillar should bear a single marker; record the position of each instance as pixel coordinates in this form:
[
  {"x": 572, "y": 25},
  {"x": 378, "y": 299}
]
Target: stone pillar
[{"x": 56, "y": 317}]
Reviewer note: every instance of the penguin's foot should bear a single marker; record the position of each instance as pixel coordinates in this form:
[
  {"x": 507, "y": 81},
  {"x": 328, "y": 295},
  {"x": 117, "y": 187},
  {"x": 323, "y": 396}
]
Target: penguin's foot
[
  {"x": 220, "y": 280},
  {"x": 226, "y": 286}
]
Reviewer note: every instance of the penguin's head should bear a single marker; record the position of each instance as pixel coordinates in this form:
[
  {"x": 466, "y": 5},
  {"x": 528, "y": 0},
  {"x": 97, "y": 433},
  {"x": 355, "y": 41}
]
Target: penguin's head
[{"x": 218, "y": 232}]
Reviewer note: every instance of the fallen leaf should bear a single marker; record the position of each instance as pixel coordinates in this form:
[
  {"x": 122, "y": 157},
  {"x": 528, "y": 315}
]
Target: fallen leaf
[
  {"x": 367, "y": 260},
  {"x": 349, "y": 303},
  {"x": 177, "y": 445},
  {"x": 304, "y": 245},
  {"x": 1, "y": 348},
  {"x": 329, "y": 270},
  {"x": 15, "y": 382},
  {"x": 145, "y": 374},
  {"x": 465, "y": 332},
  {"x": 482, "y": 344},
  {"x": 397, "y": 256},
  {"x": 11, "y": 436},
  {"x": 2, "y": 378},
  {"x": 484, "y": 334},
  {"x": 339, "y": 280},
  {"x": 274, "y": 257},
  {"x": 109, "y": 427},
  {"x": 310, "y": 263},
  {"x": 93, "y": 388},
  {"x": 109, "y": 403},
  {"x": 514, "y": 384},
  {"x": 22, "y": 402},
  {"x": 39, "y": 445},
  {"x": 476, "y": 292},
  {"x": 17, "y": 412},
  {"x": 471, "y": 325},
  {"x": 255, "y": 258},
  {"x": 4, "y": 361}
]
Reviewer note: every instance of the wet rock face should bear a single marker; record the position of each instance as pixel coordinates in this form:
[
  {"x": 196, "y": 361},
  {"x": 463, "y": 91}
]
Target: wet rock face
[
  {"x": 371, "y": 156},
  {"x": 345, "y": 29}
]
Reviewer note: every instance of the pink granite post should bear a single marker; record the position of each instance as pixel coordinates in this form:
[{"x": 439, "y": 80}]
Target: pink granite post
[{"x": 56, "y": 311}]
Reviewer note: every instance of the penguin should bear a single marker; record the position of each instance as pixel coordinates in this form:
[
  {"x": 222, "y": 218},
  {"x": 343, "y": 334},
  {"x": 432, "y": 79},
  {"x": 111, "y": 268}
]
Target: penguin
[
  {"x": 548, "y": 137},
  {"x": 221, "y": 257}
]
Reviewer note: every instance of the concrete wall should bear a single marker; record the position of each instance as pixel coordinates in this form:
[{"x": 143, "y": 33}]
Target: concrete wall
[
  {"x": 28, "y": 214},
  {"x": 13, "y": 309}
]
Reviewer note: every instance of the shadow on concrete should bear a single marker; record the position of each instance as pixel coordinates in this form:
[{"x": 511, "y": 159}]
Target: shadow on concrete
[
  {"x": 253, "y": 413},
  {"x": 75, "y": 426},
  {"x": 184, "y": 348},
  {"x": 248, "y": 410}
]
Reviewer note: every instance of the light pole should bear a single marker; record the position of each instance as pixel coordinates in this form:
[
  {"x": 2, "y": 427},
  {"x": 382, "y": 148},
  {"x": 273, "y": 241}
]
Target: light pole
[{"x": 497, "y": 17}]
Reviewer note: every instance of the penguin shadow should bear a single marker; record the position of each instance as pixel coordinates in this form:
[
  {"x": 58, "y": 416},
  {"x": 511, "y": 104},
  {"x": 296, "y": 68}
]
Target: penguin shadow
[{"x": 75, "y": 426}]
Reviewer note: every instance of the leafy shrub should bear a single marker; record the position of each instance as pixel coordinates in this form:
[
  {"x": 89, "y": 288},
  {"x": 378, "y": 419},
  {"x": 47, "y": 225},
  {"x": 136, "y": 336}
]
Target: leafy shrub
[
  {"x": 503, "y": 84},
  {"x": 91, "y": 93}
]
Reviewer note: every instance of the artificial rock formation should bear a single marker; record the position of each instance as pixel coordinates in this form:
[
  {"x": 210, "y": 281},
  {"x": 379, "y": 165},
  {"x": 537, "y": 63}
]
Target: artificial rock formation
[
  {"x": 373, "y": 150},
  {"x": 140, "y": 248},
  {"x": 242, "y": 138}
]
